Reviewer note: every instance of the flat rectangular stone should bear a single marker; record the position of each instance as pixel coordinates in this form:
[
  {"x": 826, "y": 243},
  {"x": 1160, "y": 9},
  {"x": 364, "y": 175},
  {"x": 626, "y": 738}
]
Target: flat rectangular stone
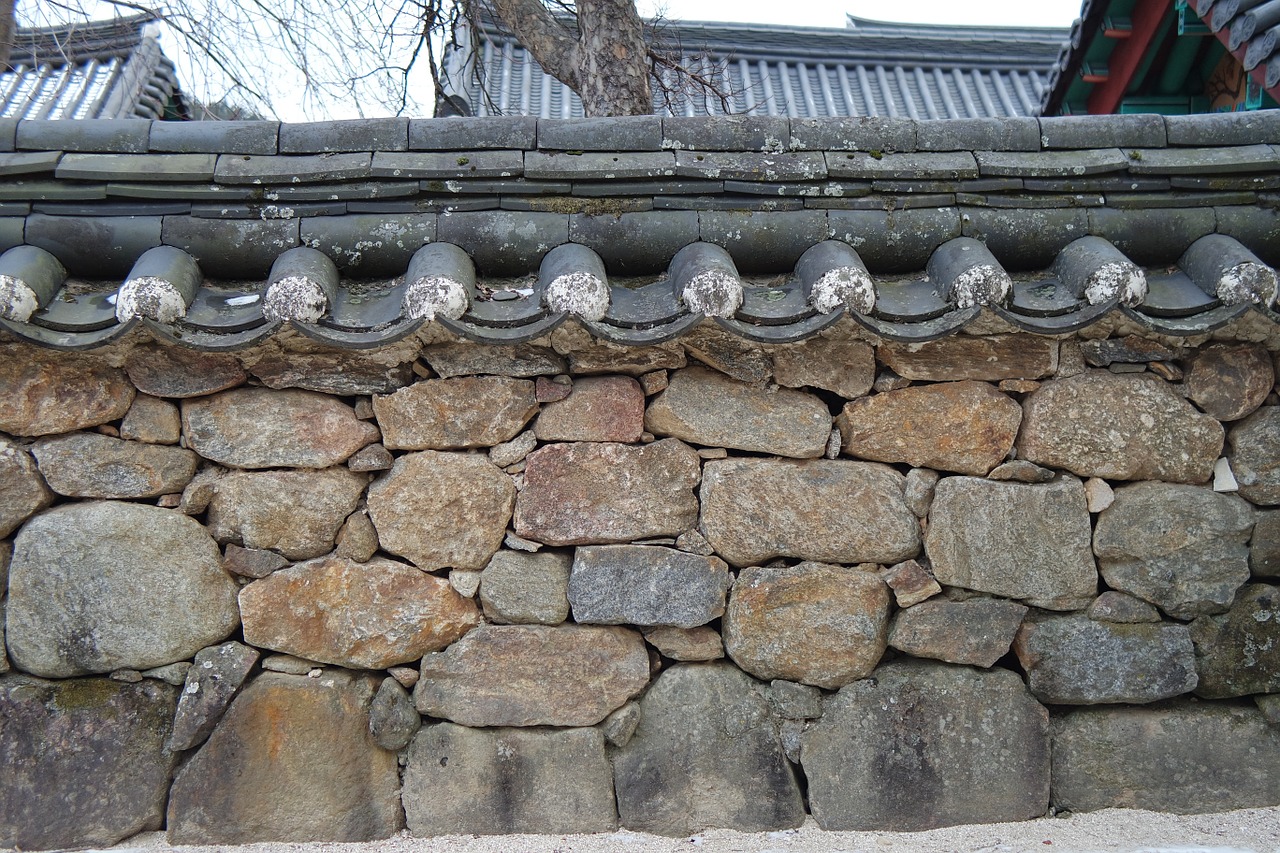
[
  {"x": 767, "y": 188},
  {"x": 460, "y": 164},
  {"x": 978, "y": 134},
  {"x": 138, "y": 167},
  {"x": 471, "y": 134},
  {"x": 215, "y": 137},
  {"x": 29, "y": 162},
  {"x": 110, "y": 136},
  {"x": 326, "y": 137},
  {"x": 676, "y": 202},
  {"x": 623, "y": 133},
  {"x": 484, "y": 186},
  {"x": 649, "y": 188},
  {"x": 1052, "y": 164},
  {"x": 1119, "y": 131},
  {"x": 191, "y": 192},
  {"x": 1145, "y": 201},
  {"x": 424, "y": 205},
  {"x": 1114, "y": 183},
  {"x": 726, "y": 133},
  {"x": 589, "y": 166},
  {"x": 279, "y": 169},
  {"x": 1203, "y": 161},
  {"x": 98, "y": 208},
  {"x": 989, "y": 359},
  {"x": 860, "y": 133},
  {"x": 954, "y": 166},
  {"x": 49, "y": 190},
  {"x": 1211, "y": 129},
  {"x": 900, "y": 201},
  {"x": 749, "y": 166}
]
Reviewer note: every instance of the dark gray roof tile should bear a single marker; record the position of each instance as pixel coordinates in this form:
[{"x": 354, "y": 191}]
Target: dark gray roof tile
[
  {"x": 626, "y": 133},
  {"x": 946, "y": 166},
  {"x": 598, "y": 166},
  {"x": 428, "y": 204},
  {"x": 680, "y": 202},
  {"x": 726, "y": 133},
  {"x": 215, "y": 137},
  {"x": 1146, "y": 201},
  {"x": 790, "y": 190},
  {"x": 635, "y": 243},
  {"x": 369, "y": 245},
  {"x": 905, "y": 201},
  {"x": 1118, "y": 131},
  {"x": 231, "y": 248},
  {"x": 352, "y": 190},
  {"x": 466, "y": 134},
  {"x": 504, "y": 242},
  {"x": 192, "y": 192},
  {"x": 119, "y": 208},
  {"x": 577, "y": 204},
  {"x": 976, "y": 185},
  {"x": 665, "y": 186},
  {"x": 761, "y": 241},
  {"x": 1029, "y": 202},
  {"x": 1052, "y": 164},
  {"x": 14, "y": 208},
  {"x": 453, "y": 164},
  {"x": 108, "y": 136},
  {"x": 1258, "y": 228},
  {"x": 8, "y": 133},
  {"x": 268, "y": 210},
  {"x": 101, "y": 247},
  {"x": 749, "y": 166},
  {"x": 484, "y": 186},
  {"x": 1226, "y": 182},
  {"x": 1025, "y": 240},
  {"x": 858, "y": 133},
  {"x": 1155, "y": 238},
  {"x": 1114, "y": 183},
  {"x": 337, "y": 137},
  {"x": 1242, "y": 128},
  {"x": 1202, "y": 161},
  {"x": 286, "y": 170},
  {"x": 898, "y": 242},
  {"x": 137, "y": 167},
  {"x": 979, "y": 134},
  {"x": 29, "y": 162},
  {"x": 47, "y": 189}
]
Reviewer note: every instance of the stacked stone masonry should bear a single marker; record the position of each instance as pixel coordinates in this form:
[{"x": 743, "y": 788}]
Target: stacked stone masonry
[{"x": 296, "y": 593}]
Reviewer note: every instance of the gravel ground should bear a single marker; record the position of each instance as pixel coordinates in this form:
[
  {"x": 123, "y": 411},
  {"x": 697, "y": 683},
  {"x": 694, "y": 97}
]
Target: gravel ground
[{"x": 1256, "y": 830}]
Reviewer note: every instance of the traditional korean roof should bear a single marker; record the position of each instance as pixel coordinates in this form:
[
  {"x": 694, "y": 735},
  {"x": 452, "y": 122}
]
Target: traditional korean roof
[
  {"x": 97, "y": 70},
  {"x": 870, "y": 68},
  {"x": 218, "y": 234}
]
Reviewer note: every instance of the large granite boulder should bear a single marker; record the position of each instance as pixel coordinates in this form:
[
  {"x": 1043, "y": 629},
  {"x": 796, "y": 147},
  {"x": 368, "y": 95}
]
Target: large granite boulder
[
  {"x": 977, "y": 632},
  {"x": 100, "y": 586},
  {"x": 84, "y": 760},
  {"x": 89, "y": 465},
  {"x": 368, "y": 615},
  {"x": 830, "y": 511},
  {"x": 922, "y": 745},
  {"x": 1182, "y": 757},
  {"x": 646, "y": 585},
  {"x": 292, "y": 761},
  {"x": 1238, "y": 652},
  {"x": 462, "y": 781},
  {"x": 705, "y": 755},
  {"x": 1182, "y": 548},
  {"x": 48, "y": 392}
]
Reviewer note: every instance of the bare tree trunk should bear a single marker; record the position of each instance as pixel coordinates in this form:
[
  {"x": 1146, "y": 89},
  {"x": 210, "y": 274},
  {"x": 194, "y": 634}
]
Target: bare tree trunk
[
  {"x": 8, "y": 30},
  {"x": 607, "y": 65}
]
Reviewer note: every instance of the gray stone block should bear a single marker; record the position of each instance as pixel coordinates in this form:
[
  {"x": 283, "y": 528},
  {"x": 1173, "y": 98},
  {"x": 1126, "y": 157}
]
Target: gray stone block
[
  {"x": 210, "y": 685},
  {"x": 232, "y": 248},
  {"x": 466, "y": 134},
  {"x": 726, "y": 133},
  {"x": 1085, "y": 131},
  {"x": 215, "y": 137},
  {"x": 115, "y": 136},
  {"x": 327, "y": 137},
  {"x": 1238, "y": 653},
  {"x": 1244, "y": 128},
  {"x": 647, "y": 586},
  {"x": 978, "y": 134},
  {"x": 520, "y": 588},
  {"x": 623, "y": 133},
  {"x": 860, "y": 133}
]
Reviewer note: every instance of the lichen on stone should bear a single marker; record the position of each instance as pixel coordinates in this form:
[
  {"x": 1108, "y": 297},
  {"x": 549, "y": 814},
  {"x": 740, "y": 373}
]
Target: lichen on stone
[
  {"x": 713, "y": 293},
  {"x": 843, "y": 287},
  {"x": 435, "y": 296},
  {"x": 151, "y": 298},
  {"x": 581, "y": 294},
  {"x": 983, "y": 284},
  {"x": 1247, "y": 282},
  {"x": 17, "y": 301},
  {"x": 295, "y": 298},
  {"x": 1114, "y": 280}
]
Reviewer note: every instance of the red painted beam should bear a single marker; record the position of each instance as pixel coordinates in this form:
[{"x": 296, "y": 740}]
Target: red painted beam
[
  {"x": 1127, "y": 56},
  {"x": 1259, "y": 74}
]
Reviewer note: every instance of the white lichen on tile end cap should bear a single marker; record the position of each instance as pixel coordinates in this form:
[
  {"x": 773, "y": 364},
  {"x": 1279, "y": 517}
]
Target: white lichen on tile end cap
[
  {"x": 435, "y": 296},
  {"x": 150, "y": 298},
  {"x": 981, "y": 284},
  {"x": 581, "y": 294},
  {"x": 713, "y": 293},
  {"x": 843, "y": 287},
  {"x": 295, "y": 298},
  {"x": 1115, "y": 280},
  {"x": 17, "y": 301},
  {"x": 1248, "y": 282}
]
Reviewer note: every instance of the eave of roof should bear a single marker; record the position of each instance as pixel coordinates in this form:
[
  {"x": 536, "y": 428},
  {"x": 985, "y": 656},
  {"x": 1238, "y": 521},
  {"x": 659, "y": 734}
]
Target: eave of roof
[{"x": 502, "y": 229}]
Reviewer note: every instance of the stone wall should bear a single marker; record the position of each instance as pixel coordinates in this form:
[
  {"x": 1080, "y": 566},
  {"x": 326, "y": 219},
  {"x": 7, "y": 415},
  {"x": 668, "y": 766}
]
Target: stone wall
[{"x": 303, "y": 594}]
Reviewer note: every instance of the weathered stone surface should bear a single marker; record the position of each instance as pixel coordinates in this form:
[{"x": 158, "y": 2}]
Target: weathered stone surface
[
  {"x": 1255, "y": 456},
  {"x": 1229, "y": 381},
  {"x": 501, "y": 781},
  {"x": 290, "y": 665},
  {"x": 1264, "y": 547},
  {"x": 89, "y": 465},
  {"x": 84, "y": 761},
  {"x": 513, "y": 451},
  {"x": 181, "y": 372},
  {"x": 1098, "y": 494},
  {"x": 728, "y": 353},
  {"x": 292, "y": 760},
  {"x": 296, "y": 513},
  {"x": 646, "y": 585},
  {"x": 373, "y": 457},
  {"x": 171, "y": 673},
  {"x": 48, "y": 392},
  {"x": 393, "y": 721},
  {"x": 1114, "y": 606},
  {"x": 990, "y": 359},
  {"x": 977, "y": 632},
  {"x": 581, "y": 493},
  {"x": 100, "y": 586},
  {"x": 357, "y": 615},
  {"x": 1029, "y": 542},
  {"x": 357, "y": 539},
  {"x": 251, "y": 562},
  {"x": 1238, "y": 653},
  {"x": 1182, "y": 757},
  {"x": 442, "y": 509},
  {"x": 1182, "y": 548},
  {"x": 911, "y": 583},
  {"x": 812, "y": 623},
  {"x": 261, "y": 428},
  {"x": 919, "y": 489},
  {"x": 1073, "y": 660},
  {"x": 632, "y": 361},
  {"x": 600, "y": 408},
  {"x": 829, "y": 511},
  {"x": 705, "y": 755},
  {"x": 22, "y": 489},
  {"x": 1021, "y": 471},
  {"x": 448, "y": 414},
  {"x": 347, "y": 374},
  {"x": 210, "y": 685},
  {"x": 690, "y": 644},
  {"x": 521, "y": 588},
  {"x": 881, "y": 759},
  {"x": 967, "y": 427},
  {"x": 707, "y": 408},
  {"x": 152, "y": 420},
  {"x": 1099, "y": 424},
  {"x": 533, "y": 675},
  {"x": 1124, "y": 351},
  {"x": 842, "y": 366},
  {"x": 449, "y": 360},
  {"x": 793, "y": 701},
  {"x": 619, "y": 726},
  {"x": 552, "y": 390}
]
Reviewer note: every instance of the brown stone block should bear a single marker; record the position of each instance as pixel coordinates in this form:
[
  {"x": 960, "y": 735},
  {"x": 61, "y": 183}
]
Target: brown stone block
[{"x": 957, "y": 357}]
